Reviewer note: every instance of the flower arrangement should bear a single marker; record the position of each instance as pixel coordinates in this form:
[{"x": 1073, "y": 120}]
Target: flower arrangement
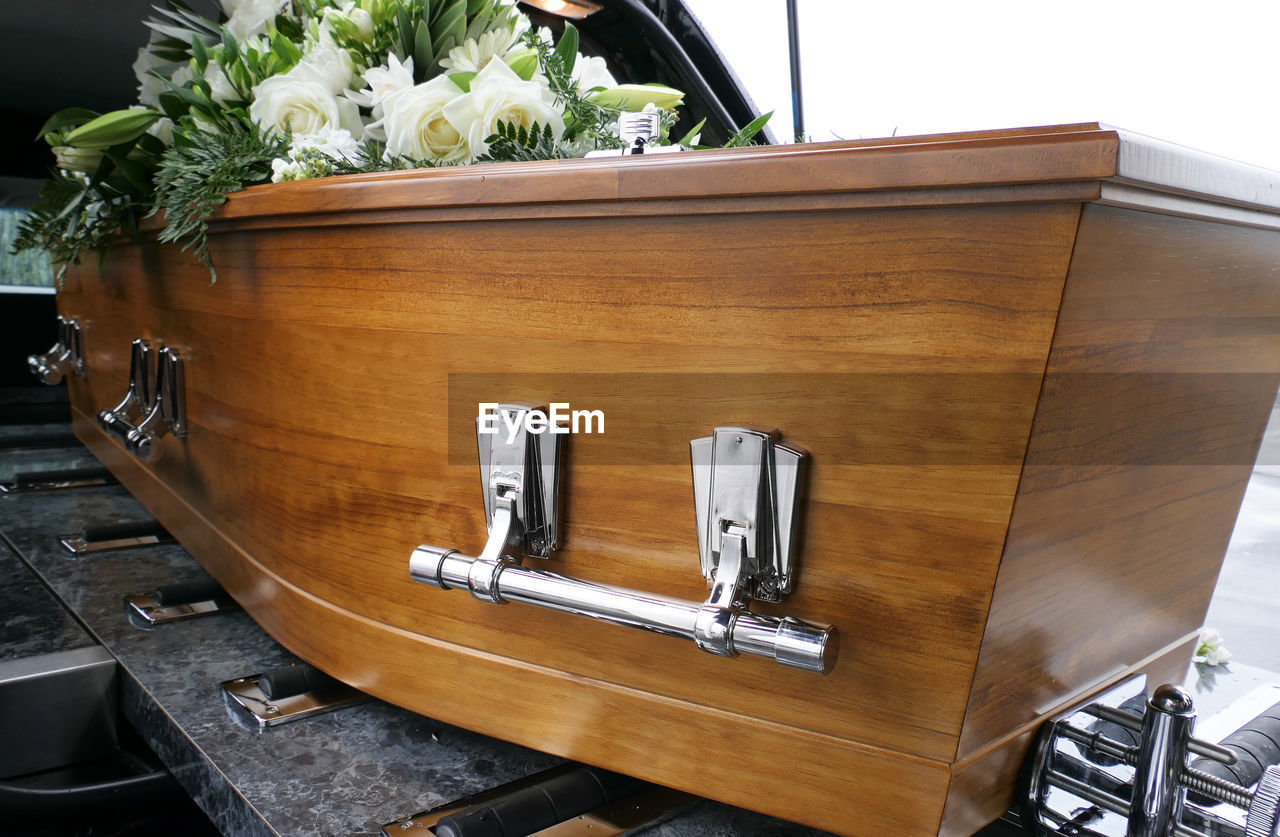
[{"x": 293, "y": 89}]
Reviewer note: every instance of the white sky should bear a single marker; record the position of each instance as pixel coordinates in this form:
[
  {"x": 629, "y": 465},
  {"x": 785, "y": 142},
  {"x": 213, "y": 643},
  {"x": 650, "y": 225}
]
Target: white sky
[{"x": 1201, "y": 74}]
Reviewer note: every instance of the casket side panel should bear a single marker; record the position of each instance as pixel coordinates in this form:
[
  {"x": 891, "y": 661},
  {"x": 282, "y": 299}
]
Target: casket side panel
[
  {"x": 1161, "y": 380},
  {"x": 320, "y": 370}
]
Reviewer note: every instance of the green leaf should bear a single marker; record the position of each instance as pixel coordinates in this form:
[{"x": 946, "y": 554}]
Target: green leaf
[
  {"x": 567, "y": 49},
  {"x": 524, "y": 63},
  {"x": 693, "y": 132},
  {"x": 200, "y": 54},
  {"x": 173, "y": 105},
  {"x": 479, "y": 22},
  {"x": 231, "y": 48},
  {"x": 289, "y": 28},
  {"x": 452, "y": 23},
  {"x": 747, "y": 134},
  {"x": 286, "y": 49},
  {"x": 463, "y": 80},
  {"x": 404, "y": 28},
  {"x": 67, "y": 118},
  {"x": 422, "y": 51},
  {"x": 474, "y": 6}
]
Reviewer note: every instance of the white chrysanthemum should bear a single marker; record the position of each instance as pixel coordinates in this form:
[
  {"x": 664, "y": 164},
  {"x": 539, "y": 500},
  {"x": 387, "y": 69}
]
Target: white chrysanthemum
[
  {"x": 380, "y": 83},
  {"x": 499, "y": 95},
  {"x": 474, "y": 55},
  {"x": 336, "y": 143}
]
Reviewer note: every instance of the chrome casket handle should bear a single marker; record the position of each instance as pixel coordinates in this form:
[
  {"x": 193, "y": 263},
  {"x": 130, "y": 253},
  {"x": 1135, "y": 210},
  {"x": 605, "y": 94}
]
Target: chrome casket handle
[
  {"x": 161, "y": 408},
  {"x": 117, "y": 420},
  {"x": 743, "y": 478},
  {"x": 65, "y": 355}
]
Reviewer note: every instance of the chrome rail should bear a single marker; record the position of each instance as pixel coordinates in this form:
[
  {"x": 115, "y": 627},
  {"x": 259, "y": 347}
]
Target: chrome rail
[
  {"x": 746, "y": 492},
  {"x": 493, "y": 578}
]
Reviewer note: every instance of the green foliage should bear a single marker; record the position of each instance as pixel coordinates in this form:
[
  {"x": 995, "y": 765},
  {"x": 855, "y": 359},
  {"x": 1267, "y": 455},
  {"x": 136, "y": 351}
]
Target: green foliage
[
  {"x": 747, "y": 135},
  {"x": 583, "y": 120},
  {"x": 515, "y": 143},
  {"x": 73, "y": 219},
  {"x": 196, "y": 175},
  {"x": 425, "y": 30}
]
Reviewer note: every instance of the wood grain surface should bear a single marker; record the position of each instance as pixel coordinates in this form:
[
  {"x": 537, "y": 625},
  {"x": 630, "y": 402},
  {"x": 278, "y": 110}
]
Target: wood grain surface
[
  {"x": 1161, "y": 380},
  {"x": 845, "y": 296}
]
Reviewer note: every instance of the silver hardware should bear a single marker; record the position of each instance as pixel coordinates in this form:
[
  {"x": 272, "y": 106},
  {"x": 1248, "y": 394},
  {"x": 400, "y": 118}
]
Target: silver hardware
[
  {"x": 119, "y": 420},
  {"x": 638, "y": 130},
  {"x": 161, "y": 409},
  {"x": 78, "y": 545},
  {"x": 115, "y": 536},
  {"x": 745, "y": 481},
  {"x": 526, "y": 469},
  {"x": 1077, "y": 775},
  {"x": 144, "y": 611},
  {"x": 56, "y": 480},
  {"x": 1162, "y": 756},
  {"x": 168, "y": 412},
  {"x": 66, "y": 355},
  {"x": 249, "y": 704},
  {"x": 744, "y": 559},
  {"x": 629, "y": 814},
  {"x": 1264, "y": 808}
]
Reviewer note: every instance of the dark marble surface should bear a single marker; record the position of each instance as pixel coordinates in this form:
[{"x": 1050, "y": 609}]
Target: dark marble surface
[
  {"x": 347, "y": 772},
  {"x": 32, "y": 621}
]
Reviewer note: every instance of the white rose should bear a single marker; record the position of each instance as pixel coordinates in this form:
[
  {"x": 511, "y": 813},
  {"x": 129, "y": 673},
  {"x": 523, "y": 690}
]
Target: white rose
[
  {"x": 416, "y": 126},
  {"x": 306, "y": 107},
  {"x": 326, "y": 64},
  {"x": 248, "y": 18},
  {"x": 499, "y": 95}
]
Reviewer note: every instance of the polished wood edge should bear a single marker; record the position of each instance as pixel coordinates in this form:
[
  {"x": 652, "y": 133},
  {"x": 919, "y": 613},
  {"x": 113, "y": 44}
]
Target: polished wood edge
[
  {"x": 1084, "y": 693},
  {"x": 1167, "y": 167},
  {"x": 823, "y": 764},
  {"x": 1030, "y": 193},
  {"x": 1000, "y": 760},
  {"x": 1145, "y": 199},
  {"x": 954, "y": 160}
]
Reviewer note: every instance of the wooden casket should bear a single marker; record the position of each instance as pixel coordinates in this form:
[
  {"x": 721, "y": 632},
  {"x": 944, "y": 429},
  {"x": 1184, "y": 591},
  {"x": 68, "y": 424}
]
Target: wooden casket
[{"x": 1031, "y": 370}]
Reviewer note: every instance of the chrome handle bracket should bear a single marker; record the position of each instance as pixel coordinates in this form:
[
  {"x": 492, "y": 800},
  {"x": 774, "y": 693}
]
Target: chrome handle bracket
[
  {"x": 119, "y": 420},
  {"x": 168, "y": 413},
  {"x": 522, "y": 466},
  {"x": 746, "y": 489},
  {"x": 65, "y": 355},
  {"x": 746, "y": 484},
  {"x": 160, "y": 408},
  {"x": 750, "y": 543}
]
